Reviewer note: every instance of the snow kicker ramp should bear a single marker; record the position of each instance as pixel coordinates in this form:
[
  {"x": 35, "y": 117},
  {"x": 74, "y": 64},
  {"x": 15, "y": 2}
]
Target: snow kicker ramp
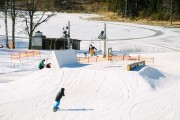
[
  {"x": 90, "y": 94},
  {"x": 63, "y": 57}
]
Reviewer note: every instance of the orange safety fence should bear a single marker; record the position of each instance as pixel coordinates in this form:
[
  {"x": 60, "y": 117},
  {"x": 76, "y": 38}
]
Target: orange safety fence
[
  {"x": 30, "y": 53},
  {"x": 111, "y": 58},
  {"x": 91, "y": 59},
  {"x": 36, "y": 53},
  {"x": 133, "y": 58},
  {"x": 15, "y": 56},
  {"x": 147, "y": 59},
  {"x": 23, "y": 55},
  {"x": 122, "y": 57},
  {"x": 20, "y": 55}
]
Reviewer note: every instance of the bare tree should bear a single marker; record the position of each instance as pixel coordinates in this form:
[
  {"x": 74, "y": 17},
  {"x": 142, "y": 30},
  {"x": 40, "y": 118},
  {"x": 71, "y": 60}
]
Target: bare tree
[
  {"x": 33, "y": 20},
  {"x": 13, "y": 17},
  {"x": 6, "y": 26}
]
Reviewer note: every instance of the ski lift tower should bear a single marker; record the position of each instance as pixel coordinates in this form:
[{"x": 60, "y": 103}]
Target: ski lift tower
[{"x": 103, "y": 37}]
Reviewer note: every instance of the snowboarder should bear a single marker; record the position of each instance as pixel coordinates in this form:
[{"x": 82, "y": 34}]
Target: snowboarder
[
  {"x": 91, "y": 50},
  {"x": 41, "y": 64},
  {"x": 58, "y": 98}
]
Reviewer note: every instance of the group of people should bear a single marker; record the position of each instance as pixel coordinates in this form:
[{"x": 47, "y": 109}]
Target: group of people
[
  {"x": 42, "y": 65},
  {"x": 60, "y": 93}
]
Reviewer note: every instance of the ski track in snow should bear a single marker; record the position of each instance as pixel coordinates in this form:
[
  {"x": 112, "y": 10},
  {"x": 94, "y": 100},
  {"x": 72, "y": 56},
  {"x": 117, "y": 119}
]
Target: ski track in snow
[
  {"x": 94, "y": 93},
  {"x": 80, "y": 90}
]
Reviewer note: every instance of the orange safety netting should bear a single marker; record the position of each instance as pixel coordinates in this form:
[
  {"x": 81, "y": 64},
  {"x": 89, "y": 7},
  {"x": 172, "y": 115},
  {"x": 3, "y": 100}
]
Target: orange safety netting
[
  {"x": 20, "y": 55},
  {"x": 111, "y": 58}
]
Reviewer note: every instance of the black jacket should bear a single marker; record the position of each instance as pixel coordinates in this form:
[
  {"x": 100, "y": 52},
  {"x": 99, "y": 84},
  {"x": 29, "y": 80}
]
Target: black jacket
[
  {"x": 92, "y": 47},
  {"x": 59, "y": 95}
]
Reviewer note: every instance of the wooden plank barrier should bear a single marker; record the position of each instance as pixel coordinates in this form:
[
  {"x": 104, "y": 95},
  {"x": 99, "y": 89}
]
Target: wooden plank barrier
[{"x": 135, "y": 64}]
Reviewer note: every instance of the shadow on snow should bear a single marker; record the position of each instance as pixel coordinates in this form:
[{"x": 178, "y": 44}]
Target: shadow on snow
[
  {"x": 152, "y": 76},
  {"x": 76, "y": 65},
  {"x": 76, "y": 109}
]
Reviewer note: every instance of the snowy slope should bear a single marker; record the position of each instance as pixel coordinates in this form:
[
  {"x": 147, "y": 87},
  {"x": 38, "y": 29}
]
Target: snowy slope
[
  {"x": 93, "y": 90},
  {"x": 97, "y": 91},
  {"x": 105, "y": 93}
]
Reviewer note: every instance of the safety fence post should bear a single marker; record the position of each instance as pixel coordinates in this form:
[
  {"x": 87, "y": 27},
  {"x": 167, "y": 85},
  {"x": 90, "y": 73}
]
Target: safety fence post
[{"x": 138, "y": 57}]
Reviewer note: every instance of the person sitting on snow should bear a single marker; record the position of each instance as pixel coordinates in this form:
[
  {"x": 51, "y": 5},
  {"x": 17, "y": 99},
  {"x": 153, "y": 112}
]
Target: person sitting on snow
[
  {"x": 41, "y": 64},
  {"x": 48, "y": 65}
]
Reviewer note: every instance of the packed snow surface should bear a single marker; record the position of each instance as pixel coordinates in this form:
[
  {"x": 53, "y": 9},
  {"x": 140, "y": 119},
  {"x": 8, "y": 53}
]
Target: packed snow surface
[{"x": 96, "y": 91}]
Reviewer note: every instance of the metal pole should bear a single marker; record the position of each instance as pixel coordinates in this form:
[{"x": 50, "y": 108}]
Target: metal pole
[
  {"x": 104, "y": 40},
  {"x": 68, "y": 34}
]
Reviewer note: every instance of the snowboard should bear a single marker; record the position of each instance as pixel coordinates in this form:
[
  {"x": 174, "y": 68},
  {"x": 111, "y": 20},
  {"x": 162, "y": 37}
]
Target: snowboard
[{"x": 54, "y": 110}]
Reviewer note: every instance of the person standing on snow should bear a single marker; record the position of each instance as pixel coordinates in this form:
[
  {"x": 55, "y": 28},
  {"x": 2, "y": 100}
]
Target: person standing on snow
[
  {"x": 41, "y": 64},
  {"x": 92, "y": 50},
  {"x": 90, "y": 47},
  {"x": 58, "y": 98}
]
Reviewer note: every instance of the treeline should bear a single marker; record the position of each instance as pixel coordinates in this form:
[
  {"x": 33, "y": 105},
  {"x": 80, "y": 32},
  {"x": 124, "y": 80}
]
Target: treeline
[{"x": 153, "y": 9}]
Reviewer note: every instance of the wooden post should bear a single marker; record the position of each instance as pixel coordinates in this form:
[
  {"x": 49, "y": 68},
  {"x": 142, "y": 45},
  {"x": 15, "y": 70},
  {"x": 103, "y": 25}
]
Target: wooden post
[
  {"x": 33, "y": 53},
  {"x": 27, "y": 54}
]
